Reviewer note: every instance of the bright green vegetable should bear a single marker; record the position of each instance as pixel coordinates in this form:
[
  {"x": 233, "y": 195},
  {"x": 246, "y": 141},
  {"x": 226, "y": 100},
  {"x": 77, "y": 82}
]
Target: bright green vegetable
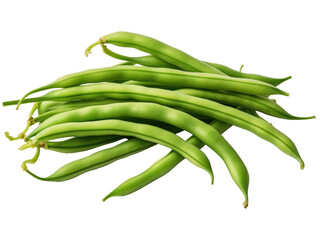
[
  {"x": 178, "y": 100},
  {"x": 124, "y": 128},
  {"x": 171, "y": 77},
  {"x": 153, "y": 61},
  {"x": 156, "y": 48},
  {"x": 207, "y": 134}
]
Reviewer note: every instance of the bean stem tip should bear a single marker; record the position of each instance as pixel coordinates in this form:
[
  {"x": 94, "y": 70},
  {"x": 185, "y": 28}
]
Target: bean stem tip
[
  {"x": 106, "y": 197},
  {"x": 301, "y": 165},
  {"x": 27, "y": 145},
  {"x": 88, "y": 50}
]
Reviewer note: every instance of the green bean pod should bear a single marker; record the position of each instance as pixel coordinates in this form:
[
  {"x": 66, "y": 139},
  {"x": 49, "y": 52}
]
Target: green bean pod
[
  {"x": 45, "y": 106},
  {"x": 153, "y": 61},
  {"x": 96, "y": 160},
  {"x": 148, "y": 61},
  {"x": 68, "y": 106},
  {"x": 124, "y": 128},
  {"x": 86, "y": 103},
  {"x": 162, "y": 167},
  {"x": 239, "y": 74},
  {"x": 207, "y": 134},
  {"x": 171, "y": 77},
  {"x": 42, "y": 117},
  {"x": 182, "y": 101},
  {"x": 256, "y": 103},
  {"x": 156, "y": 48},
  {"x": 79, "y": 144}
]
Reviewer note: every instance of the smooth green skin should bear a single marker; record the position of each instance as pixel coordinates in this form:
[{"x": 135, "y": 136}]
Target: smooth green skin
[
  {"x": 42, "y": 117},
  {"x": 163, "y": 166},
  {"x": 256, "y": 103},
  {"x": 171, "y": 77},
  {"x": 57, "y": 107},
  {"x": 97, "y": 160},
  {"x": 45, "y": 106},
  {"x": 148, "y": 61},
  {"x": 156, "y": 48},
  {"x": 153, "y": 61},
  {"x": 67, "y": 106},
  {"x": 80, "y": 144},
  {"x": 207, "y": 134},
  {"x": 182, "y": 101},
  {"x": 125, "y": 128},
  {"x": 239, "y": 74},
  {"x": 80, "y": 104},
  {"x": 151, "y": 84}
]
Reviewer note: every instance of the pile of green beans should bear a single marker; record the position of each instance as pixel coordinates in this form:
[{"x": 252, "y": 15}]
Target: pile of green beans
[{"x": 147, "y": 100}]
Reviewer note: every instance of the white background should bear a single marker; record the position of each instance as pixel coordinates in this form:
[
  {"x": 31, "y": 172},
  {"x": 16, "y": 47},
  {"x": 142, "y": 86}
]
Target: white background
[{"x": 42, "y": 41}]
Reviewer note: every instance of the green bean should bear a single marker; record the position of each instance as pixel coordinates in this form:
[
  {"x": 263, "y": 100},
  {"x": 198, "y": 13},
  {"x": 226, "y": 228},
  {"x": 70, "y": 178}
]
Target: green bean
[
  {"x": 42, "y": 117},
  {"x": 79, "y": 144},
  {"x": 162, "y": 167},
  {"x": 178, "y": 100},
  {"x": 45, "y": 106},
  {"x": 153, "y": 61},
  {"x": 97, "y": 160},
  {"x": 68, "y": 106},
  {"x": 148, "y": 61},
  {"x": 151, "y": 84},
  {"x": 80, "y": 104},
  {"x": 47, "y": 109},
  {"x": 257, "y": 103},
  {"x": 239, "y": 74},
  {"x": 157, "y": 48},
  {"x": 201, "y": 130},
  {"x": 171, "y": 77},
  {"x": 124, "y": 128}
]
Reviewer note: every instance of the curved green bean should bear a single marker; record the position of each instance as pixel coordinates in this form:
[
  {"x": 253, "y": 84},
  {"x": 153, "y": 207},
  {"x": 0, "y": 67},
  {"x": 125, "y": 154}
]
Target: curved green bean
[
  {"x": 207, "y": 134},
  {"x": 182, "y": 101},
  {"x": 157, "y": 48},
  {"x": 171, "y": 77},
  {"x": 162, "y": 167},
  {"x": 97, "y": 160},
  {"x": 84, "y": 103},
  {"x": 153, "y": 61},
  {"x": 45, "y": 106},
  {"x": 79, "y": 144},
  {"x": 239, "y": 74},
  {"x": 124, "y": 128},
  {"x": 256, "y": 103}
]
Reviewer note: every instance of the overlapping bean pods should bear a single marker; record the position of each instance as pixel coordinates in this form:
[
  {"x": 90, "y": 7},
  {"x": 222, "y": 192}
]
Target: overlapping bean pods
[
  {"x": 178, "y": 100},
  {"x": 171, "y": 77},
  {"x": 124, "y": 128},
  {"x": 208, "y": 135},
  {"x": 153, "y": 61},
  {"x": 170, "y": 92}
]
